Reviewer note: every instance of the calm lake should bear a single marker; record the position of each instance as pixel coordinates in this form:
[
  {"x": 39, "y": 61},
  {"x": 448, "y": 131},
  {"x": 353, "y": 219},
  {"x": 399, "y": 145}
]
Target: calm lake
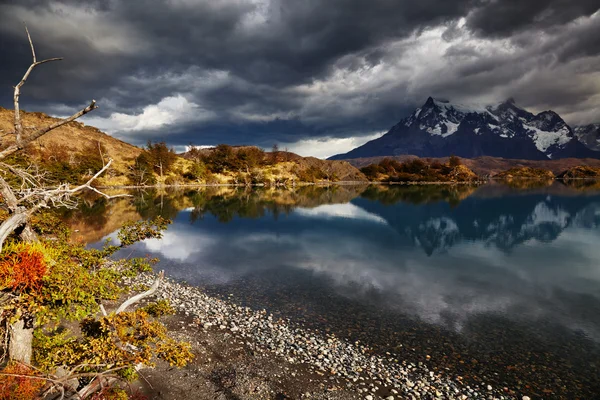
[{"x": 494, "y": 281}]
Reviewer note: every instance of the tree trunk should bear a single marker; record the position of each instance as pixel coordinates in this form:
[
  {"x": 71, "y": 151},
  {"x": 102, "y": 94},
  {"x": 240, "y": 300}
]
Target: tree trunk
[
  {"x": 20, "y": 339},
  {"x": 28, "y": 235},
  {"x": 20, "y": 332},
  {"x": 10, "y": 225}
]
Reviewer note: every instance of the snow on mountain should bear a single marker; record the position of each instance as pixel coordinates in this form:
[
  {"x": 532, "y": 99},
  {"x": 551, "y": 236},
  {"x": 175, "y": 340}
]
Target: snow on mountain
[
  {"x": 544, "y": 139},
  {"x": 442, "y": 118},
  {"x": 589, "y": 135},
  {"x": 441, "y": 128}
]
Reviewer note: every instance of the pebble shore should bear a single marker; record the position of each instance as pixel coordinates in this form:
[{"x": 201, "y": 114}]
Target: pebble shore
[{"x": 349, "y": 364}]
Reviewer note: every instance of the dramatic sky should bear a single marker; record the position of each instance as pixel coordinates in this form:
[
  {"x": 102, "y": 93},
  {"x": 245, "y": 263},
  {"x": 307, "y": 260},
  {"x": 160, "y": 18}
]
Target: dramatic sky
[{"x": 319, "y": 77}]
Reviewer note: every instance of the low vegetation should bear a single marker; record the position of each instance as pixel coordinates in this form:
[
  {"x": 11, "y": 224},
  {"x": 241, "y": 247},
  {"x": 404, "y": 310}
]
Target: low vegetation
[
  {"x": 58, "y": 338},
  {"x": 55, "y": 163},
  {"x": 71, "y": 143},
  {"x": 248, "y": 166},
  {"x": 60, "y": 286},
  {"x": 525, "y": 173},
  {"x": 417, "y": 170},
  {"x": 581, "y": 172}
]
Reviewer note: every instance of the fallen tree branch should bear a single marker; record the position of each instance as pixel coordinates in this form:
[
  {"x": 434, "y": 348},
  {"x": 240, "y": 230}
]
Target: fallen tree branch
[
  {"x": 24, "y": 203},
  {"x": 61, "y": 382},
  {"x": 143, "y": 295}
]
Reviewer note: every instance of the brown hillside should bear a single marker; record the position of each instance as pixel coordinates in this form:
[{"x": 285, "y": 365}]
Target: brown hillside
[
  {"x": 73, "y": 136},
  {"x": 489, "y": 166},
  {"x": 341, "y": 170},
  {"x": 525, "y": 172},
  {"x": 581, "y": 172}
]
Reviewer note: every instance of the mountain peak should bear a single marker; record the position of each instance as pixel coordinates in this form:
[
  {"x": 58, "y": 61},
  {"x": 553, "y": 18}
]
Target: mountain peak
[
  {"x": 430, "y": 102},
  {"x": 508, "y": 104},
  {"x": 446, "y": 105},
  {"x": 442, "y": 127}
]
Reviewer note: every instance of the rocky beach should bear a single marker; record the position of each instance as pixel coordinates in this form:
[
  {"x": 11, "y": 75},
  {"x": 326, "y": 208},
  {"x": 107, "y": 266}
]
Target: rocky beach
[{"x": 295, "y": 362}]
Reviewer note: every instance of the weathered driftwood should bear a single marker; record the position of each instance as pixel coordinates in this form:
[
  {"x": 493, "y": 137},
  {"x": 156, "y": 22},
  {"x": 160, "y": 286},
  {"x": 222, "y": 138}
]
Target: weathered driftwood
[
  {"x": 139, "y": 297},
  {"x": 19, "y": 342}
]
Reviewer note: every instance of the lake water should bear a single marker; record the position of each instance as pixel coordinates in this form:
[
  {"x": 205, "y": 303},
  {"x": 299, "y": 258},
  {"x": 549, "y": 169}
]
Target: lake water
[{"x": 493, "y": 283}]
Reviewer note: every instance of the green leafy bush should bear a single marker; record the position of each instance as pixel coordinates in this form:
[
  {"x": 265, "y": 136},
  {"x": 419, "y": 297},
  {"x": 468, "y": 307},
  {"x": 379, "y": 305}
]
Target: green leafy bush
[{"x": 159, "y": 308}]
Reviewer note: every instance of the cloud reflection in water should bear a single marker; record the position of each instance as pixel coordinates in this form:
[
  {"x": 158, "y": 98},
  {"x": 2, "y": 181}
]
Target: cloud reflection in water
[{"x": 443, "y": 265}]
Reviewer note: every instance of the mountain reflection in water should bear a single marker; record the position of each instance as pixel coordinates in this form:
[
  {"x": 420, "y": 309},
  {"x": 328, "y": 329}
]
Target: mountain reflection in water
[{"x": 493, "y": 273}]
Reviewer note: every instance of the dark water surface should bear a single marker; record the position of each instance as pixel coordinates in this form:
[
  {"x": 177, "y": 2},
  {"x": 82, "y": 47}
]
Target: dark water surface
[{"x": 495, "y": 284}]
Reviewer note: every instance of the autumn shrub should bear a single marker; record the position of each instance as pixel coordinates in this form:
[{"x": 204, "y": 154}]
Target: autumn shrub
[
  {"x": 159, "y": 308},
  {"x": 132, "y": 232},
  {"x": 525, "y": 172},
  {"x": 120, "y": 340},
  {"x": 581, "y": 171},
  {"x": 22, "y": 267},
  {"x": 46, "y": 222},
  {"x": 418, "y": 170},
  {"x": 61, "y": 164},
  {"x": 173, "y": 180},
  {"x": 311, "y": 174},
  {"x": 196, "y": 172},
  {"x": 77, "y": 280},
  {"x": 22, "y": 387},
  {"x": 372, "y": 171},
  {"x": 228, "y": 158}
]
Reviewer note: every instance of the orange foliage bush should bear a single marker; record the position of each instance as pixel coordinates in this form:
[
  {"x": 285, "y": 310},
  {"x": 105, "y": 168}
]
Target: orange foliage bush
[
  {"x": 19, "y": 387},
  {"x": 23, "y": 269}
]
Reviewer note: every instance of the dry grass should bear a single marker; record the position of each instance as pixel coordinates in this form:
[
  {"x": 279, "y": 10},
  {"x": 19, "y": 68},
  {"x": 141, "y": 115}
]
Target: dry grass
[{"x": 75, "y": 136}]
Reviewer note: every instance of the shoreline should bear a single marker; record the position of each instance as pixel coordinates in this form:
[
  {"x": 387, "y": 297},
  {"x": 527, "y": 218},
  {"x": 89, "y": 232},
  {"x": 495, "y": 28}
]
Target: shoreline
[
  {"x": 341, "y": 183},
  {"x": 320, "y": 184},
  {"x": 351, "y": 366}
]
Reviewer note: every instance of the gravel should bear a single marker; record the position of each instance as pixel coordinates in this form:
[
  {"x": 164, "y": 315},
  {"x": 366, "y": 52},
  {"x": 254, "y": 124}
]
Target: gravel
[{"x": 375, "y": 376}]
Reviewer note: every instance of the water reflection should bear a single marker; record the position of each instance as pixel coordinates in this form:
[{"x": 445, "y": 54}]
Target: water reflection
[
  {"x": 530, "y": 257},
  {"x": 500, "y": 270}
]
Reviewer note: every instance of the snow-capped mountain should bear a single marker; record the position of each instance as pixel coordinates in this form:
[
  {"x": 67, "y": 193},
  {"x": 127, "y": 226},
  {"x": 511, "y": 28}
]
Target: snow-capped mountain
[
  {"x": 589, "y": 135},
  {"x": 440, "y": 128}
]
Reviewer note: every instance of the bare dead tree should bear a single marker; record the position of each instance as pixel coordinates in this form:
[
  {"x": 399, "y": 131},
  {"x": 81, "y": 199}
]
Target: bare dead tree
[
  {"x": 20, "y": 141},
  {"x": 32, "y": 195}
]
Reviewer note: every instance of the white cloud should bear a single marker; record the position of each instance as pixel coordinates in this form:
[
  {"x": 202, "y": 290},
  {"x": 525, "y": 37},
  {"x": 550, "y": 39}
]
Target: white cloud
[
  {"x": 188, "y": 148},
  {"x": 347, "y": 210},
  {"x": 169, "y": 111},
  {"x": 177, "y": 246},
  {"x": 326, "y": 147}
]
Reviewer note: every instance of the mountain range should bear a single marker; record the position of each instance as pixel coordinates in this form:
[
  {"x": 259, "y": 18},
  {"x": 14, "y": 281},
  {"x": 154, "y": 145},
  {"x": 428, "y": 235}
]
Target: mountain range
[
  {"x": 441, "y": 128},
  {"x": 589, "y": 135}
]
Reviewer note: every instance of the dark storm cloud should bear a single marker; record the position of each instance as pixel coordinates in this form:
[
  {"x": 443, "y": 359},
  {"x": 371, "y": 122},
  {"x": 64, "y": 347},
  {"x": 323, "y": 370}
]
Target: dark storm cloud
[
  {"x": 297, "y": 41},
  {"x": 259, "y": 71},
  {"x": 504, "y": 17}
]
